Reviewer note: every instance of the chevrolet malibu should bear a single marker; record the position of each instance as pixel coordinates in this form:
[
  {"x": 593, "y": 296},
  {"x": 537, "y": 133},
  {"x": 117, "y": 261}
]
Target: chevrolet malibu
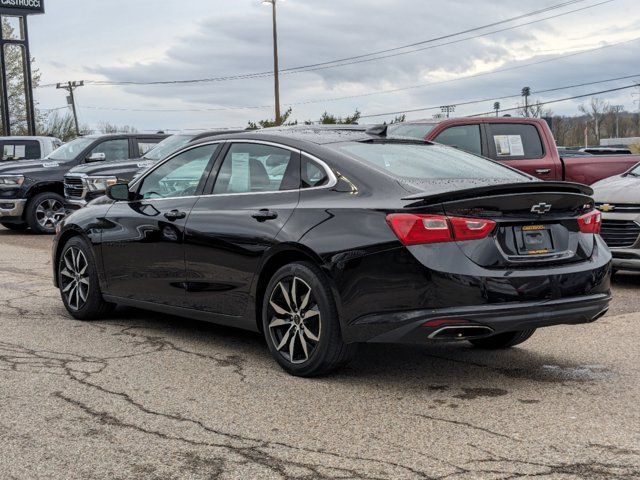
[{"x": 321, "y": 239}]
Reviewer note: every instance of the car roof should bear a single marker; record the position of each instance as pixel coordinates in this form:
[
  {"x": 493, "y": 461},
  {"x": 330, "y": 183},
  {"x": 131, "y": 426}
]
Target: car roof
[
  {"x": 29, "y": 137},
  {"x": 125, "y": 135}
]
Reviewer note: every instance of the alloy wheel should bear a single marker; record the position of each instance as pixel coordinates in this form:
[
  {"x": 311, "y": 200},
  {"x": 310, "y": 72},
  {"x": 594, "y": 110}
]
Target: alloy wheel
[
  {"x": 294, "y": 320},
  {"x": 74, "y": 278},
  {"x": 49, "y": 212}
]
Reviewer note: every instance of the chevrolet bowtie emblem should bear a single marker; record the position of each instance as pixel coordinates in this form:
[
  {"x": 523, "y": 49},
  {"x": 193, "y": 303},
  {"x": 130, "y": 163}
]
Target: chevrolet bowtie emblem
[
  {"x": 541, "y": 208},
  {"x": 606, "y": 208}
]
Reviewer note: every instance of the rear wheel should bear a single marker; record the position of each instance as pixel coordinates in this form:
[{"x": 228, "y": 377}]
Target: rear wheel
[
  {"x": 503, "y": 340},
  {"x": 78, "y": 282},
  {"x": 15, "y": 226},
  {"x": 44, "y": 211},
  {"x": 301, "y": 324}
]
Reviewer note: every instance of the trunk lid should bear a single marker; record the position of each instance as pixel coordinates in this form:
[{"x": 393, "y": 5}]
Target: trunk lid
[{"x": 536, "y": 223}]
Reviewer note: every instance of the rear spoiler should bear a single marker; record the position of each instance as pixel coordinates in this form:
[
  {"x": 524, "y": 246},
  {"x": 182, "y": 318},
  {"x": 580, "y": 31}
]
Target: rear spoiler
[{"x": 501, "y": 189}]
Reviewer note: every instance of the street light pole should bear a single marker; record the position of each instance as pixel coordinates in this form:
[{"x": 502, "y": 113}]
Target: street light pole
[{"x": 276, "y": 69}]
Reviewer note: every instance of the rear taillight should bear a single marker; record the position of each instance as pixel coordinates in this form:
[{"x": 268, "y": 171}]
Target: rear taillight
[
  {"x": 413, "y": 229},
  {"x": 590, "y": 222}
]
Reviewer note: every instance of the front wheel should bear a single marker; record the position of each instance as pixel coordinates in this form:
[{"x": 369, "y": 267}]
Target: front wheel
[
  {"x": 503, "y": 340},
  {"x": 301, "y": 324},
  {"x": 78, "y": 282},
  {"x": 44, "y": 211}
]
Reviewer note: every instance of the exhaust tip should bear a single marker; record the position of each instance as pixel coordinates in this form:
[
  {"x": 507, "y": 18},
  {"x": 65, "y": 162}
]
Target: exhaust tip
[{"x": 461, "y": 332}]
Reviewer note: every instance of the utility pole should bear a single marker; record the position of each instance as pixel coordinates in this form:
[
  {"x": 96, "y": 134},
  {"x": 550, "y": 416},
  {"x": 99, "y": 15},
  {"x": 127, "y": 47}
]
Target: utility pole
[
  {"x": 276, "y": 68},
  {"x": 448, "y": 109},
  {"x": 526, "y": 91},
  {"x": 71, "y": 100},
  {"x": 496, "y": 107},
  {"x": 617, "y": 109}
]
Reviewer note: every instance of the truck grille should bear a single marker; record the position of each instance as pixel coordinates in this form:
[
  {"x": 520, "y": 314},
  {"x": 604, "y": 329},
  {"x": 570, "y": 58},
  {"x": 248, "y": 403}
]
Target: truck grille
[
  {"x": 620, "y": 233},
  {"x": 73, "y": 187}
]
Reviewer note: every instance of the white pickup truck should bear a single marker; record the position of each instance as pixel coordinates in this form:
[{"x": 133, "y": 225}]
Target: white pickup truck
[{"x": 27, "y": 148}]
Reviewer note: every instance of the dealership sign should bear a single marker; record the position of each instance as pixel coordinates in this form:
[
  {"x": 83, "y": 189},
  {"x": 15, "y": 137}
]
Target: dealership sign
[{"x": 21, "y": 7}]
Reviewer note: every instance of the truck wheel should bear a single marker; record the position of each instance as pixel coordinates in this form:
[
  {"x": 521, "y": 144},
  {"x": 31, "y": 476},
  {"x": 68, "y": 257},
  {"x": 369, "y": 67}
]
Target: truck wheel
[
  {"x": 301, "y": 323},
  {"x": 503, "y": 340},
  {"x": 44, "y": 211},
  {"x": 15, "y": 226}
]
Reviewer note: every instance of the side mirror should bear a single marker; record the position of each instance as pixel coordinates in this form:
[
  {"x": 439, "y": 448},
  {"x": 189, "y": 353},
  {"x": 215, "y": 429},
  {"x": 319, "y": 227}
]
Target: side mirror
[
  {"x": 119, "y": 192},
  {"x": 96, "y": 157}
]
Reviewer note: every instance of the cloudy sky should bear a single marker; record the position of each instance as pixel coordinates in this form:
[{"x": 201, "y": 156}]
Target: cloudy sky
[{"x": 166, "y": 40}]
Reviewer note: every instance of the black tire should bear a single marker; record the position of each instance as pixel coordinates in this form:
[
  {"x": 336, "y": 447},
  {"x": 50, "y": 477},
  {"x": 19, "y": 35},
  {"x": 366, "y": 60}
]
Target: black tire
[
  {"x": 92, "y": 306},
  {"x": 326, "y": 354},
  {"x": 503, "y": 340},
  {"x": 35, "y": 218},
  {"x": 16, "y": 227}
]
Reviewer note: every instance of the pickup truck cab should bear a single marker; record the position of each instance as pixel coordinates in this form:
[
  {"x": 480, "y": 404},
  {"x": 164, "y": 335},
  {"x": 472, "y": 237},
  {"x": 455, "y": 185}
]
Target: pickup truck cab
[
  {"x": 32, "y": 191},
  {"x": 27, "y": 148},
  {"x": 526, "y": 144},
  {"x": 89, "y": 181}
]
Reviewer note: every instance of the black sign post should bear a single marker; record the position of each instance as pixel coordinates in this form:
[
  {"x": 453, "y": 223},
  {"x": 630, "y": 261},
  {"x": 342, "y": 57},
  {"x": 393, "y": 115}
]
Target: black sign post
[{"x": 17, "y": 11}]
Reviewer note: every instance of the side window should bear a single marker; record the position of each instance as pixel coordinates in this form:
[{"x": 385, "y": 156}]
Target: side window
[
  {"x": 252, "y": 167},
  {"x": 146, "y": 145},
  {"x": 21, "y": 150},
  {"x": 113, "y": 149},
  {"x": 464, "y": 137},
  {"x": 178, "y": 177},
  {"x": 513, "y": 141},
  {"x": 313, "y": 175}
]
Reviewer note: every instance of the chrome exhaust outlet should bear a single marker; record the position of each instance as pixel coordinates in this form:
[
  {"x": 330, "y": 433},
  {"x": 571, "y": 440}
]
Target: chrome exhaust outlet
[{"x": 463, "y": 332}]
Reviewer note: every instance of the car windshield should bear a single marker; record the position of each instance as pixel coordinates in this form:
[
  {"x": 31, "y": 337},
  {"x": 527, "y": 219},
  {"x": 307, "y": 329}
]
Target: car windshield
[
  {"x": 71, "y": 150},
  {"x": 417, "y": 131},
  {"x": 430, "y": 162},
  {"x": 167, "y": 147},
  {"x": 635, "y": 171}
]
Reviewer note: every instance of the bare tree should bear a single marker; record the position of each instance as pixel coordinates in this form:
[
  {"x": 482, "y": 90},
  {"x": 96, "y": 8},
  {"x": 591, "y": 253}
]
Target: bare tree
[{"x": 595, "y": 112}]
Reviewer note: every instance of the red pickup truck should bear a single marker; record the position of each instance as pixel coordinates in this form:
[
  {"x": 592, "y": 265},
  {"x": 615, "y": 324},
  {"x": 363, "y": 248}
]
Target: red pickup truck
[{"x": 523, "y": 143}]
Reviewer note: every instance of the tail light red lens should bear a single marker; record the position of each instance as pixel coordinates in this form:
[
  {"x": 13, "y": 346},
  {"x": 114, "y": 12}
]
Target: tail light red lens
[
  {"x": 590, "y": 222},
  {"x": 413, "y": 229}
]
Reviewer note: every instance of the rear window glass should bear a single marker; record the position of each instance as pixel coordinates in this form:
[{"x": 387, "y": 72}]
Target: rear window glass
[
  {"x": 20, "y": 150},
  {"x": 427, "y": 161},
  {"x": 417, "y": 131},
  {"x": 513, "y": 141}
]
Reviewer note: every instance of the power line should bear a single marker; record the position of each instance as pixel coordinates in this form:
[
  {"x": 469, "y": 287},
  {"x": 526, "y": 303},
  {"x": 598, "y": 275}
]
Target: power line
[
  {"x": 325, "y": 100},
  {"x": 559, "y": 100},
  {"x": 483, "y": 100},
  {"x": 361, "y": 58}
]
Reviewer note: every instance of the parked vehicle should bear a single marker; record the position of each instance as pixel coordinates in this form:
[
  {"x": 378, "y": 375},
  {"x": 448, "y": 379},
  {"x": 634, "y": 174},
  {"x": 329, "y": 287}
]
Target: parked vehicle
[
  {"x": 323, "y": 239},
  {"x": 523, "y": 143},
  {"x": 32, "y": 192},
  {"x": 607, "y": 150},
  {"x": 89, "y": 181},
  {"x": 27, "y": 148},
  {"x": 618, "y": 198}
]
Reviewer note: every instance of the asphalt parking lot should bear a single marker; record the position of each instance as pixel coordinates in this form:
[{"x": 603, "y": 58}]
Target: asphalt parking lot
[{"x": 155, "y": 397}]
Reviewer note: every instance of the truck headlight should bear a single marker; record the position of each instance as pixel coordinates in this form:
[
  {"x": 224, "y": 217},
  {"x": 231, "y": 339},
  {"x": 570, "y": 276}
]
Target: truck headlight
[
  {"x": 99, "y": 184},
  {"x": 11, "y": 181}
]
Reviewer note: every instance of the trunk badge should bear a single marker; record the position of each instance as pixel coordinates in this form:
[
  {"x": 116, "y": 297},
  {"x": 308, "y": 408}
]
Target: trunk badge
[{"x": 541, "y": 208}]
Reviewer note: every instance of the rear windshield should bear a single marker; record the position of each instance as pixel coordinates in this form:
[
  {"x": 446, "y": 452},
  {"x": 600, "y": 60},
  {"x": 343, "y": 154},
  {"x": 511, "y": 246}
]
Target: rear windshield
[
  {"x": 168, "y": 146},
  {"x": 428, "y": 161},
  {"x": 417, "y": 131}
]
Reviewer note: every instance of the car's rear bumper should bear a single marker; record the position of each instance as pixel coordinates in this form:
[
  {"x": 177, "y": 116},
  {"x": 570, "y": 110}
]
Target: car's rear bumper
[
  {"x": 418, "y": 326},
  {"x": 11, "y": 210}
]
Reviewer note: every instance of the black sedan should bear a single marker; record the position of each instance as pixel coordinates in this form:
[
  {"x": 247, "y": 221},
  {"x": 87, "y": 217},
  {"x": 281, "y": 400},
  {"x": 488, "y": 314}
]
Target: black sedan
[{"x": 325, "y": 238}]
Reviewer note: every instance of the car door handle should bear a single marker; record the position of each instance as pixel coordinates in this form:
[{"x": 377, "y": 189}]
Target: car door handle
[
  {"x": 543, "y": 171},
  {"x": 264, "y": 214},
  {"x": 175, "y": 215}
]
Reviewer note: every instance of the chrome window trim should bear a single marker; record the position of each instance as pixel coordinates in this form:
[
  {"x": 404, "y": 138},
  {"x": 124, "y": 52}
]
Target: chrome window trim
[{"x": 333, "y": 180}]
